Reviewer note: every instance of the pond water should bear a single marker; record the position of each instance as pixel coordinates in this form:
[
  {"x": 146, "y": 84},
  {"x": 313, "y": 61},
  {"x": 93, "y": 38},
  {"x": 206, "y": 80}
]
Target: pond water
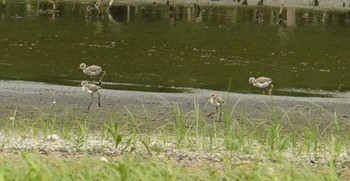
[{"x": 151, "y": 48}]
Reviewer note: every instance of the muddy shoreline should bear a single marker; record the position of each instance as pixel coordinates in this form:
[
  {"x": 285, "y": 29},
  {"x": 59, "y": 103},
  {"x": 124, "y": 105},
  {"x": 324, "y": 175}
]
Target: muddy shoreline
[
  {"x": 323, "y": 5},
  {"x": 30, "y": 100},
  {"x": 336, "y": 5}
]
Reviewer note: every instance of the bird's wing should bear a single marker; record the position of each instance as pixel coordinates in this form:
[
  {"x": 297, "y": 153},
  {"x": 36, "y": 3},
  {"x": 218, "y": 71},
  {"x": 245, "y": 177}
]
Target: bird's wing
[
  {"x": 220, "y": 100},
  {"x": 94, "y": 68},
  {"x": 263, "y": 79},
  {"x": 93, "y": 87}
]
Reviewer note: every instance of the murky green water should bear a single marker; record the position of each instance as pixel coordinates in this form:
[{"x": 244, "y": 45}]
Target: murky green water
[{"x": 150, "y": 48}]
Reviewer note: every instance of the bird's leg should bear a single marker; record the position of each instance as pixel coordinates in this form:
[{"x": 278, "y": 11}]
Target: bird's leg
[
  {"x": 88, "y": 10},
  {"x": 270, "y": 90},
  {"x": 92, "y": 98},
  {"x": 213, "y": 112},
  {"x": 104, "y": 72},
  {"x": 100, "y": 11},
  {"x": 99, "y": 105},
  {"x": 220, "y": 115}
]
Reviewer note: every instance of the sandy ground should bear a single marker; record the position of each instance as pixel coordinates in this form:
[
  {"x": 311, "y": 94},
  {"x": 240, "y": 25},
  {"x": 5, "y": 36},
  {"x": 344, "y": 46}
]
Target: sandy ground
[{"x": 32, "y": 99}]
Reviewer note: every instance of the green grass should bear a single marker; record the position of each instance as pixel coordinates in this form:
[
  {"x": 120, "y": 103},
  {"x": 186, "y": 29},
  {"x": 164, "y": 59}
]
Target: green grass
[{"x": 188, "y": 146}]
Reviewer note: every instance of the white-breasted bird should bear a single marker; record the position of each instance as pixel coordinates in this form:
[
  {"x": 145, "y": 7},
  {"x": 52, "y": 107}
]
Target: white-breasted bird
[
  {"x": 91, "y": 89},
  {"x": 92, "y": 70},
  {"x": 262, "y": 82},
  {"x": 216, "y": 101}
]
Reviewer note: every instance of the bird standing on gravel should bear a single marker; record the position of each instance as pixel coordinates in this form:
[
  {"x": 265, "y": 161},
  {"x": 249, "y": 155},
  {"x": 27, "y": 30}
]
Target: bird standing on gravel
[
  {"x": 262, "y": 82},
  {"x": 91, "y": 89},
  {"x": 216, "y": 101}
]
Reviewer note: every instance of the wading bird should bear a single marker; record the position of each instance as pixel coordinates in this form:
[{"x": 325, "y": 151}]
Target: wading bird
[
  {"x": 92, "y": 70},
  {"x": 95, "y": 5},
  {"x": 216, "y": 101},
  {"x": 91, "y": 89},
  {"x": 53, "y": 4},
  {"x": 262, "y": 82}
]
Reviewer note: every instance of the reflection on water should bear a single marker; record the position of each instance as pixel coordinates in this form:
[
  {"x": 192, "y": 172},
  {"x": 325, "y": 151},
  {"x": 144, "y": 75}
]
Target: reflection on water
[{"x": 159, "y": 47}]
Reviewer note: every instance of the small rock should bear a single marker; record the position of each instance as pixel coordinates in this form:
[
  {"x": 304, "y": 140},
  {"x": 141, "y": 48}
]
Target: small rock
[
  {"x": 42, "y": 152},
  {"x": 52, "y": 137},
  {"x": 103, "y": 159},
  {"x": 154, "y": 143}
]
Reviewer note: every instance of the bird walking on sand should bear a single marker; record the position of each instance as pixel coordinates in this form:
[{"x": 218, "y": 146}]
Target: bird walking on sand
[
  {"x": 92, "y": 70},
  {"x": 216, "y": 101},
  {"x": 91, "y": 89},
  {"x": 262, "y": 82}
]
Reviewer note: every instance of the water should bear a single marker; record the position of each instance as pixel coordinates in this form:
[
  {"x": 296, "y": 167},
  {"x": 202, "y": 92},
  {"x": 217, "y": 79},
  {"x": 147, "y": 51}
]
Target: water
[{"x": 152, "y": 49}]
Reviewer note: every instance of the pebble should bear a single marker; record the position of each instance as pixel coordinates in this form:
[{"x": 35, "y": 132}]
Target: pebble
[
  {"x": 103, "y": 159},
  {"x": 53, "y": 137}
]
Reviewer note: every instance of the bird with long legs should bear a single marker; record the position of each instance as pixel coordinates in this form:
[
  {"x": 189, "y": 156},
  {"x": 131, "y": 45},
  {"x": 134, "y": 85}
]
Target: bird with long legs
[
  {"x": 262, "y": 83},
  {"x": 95, "y": 5},
  {"x": 91, "y": 89},
  {"x": 216, "y": 101},
  {"x": 92, "y": 70}
]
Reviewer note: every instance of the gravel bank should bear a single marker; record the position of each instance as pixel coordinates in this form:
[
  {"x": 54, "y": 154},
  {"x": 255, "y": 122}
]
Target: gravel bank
[{"x": 32, "y": 99}]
